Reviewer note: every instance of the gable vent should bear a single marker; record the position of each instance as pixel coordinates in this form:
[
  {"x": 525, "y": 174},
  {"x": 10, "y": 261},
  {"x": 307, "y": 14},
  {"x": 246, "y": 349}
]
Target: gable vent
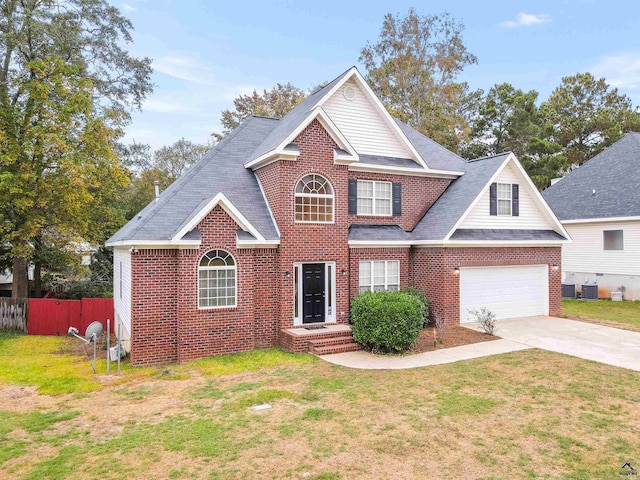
[{"x": 349, "y": 93}]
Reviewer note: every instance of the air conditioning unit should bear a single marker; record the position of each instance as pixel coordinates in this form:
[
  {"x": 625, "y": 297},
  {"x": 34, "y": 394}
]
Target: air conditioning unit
[
  {"x": 569, "y": 290},
  {"x": 589, "y": 291}
]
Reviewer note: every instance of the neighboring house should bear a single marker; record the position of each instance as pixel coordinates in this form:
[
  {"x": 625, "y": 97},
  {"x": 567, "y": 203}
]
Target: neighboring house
[
  {"x": 599, "y": 205},
  {"x": 283, "y": 222}
]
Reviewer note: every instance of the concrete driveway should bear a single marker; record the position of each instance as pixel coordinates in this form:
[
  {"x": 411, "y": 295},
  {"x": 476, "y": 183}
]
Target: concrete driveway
[
  {"x": 613, "y": 346},
  {"x": 620, "y": 348}
]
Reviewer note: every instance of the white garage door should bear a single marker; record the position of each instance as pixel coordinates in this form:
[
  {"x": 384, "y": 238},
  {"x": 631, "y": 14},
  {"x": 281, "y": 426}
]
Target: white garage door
[{"x": 508, "y": 292}]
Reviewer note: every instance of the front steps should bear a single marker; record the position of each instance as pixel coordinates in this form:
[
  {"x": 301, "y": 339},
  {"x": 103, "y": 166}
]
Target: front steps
[{"x": 333, "y": 338}]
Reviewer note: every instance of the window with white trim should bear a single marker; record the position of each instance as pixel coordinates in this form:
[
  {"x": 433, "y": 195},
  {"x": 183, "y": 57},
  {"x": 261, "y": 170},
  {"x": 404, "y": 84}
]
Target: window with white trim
[
  {"x": 378, "y": 275},
  {"x": 374, "y": 198},
  {"x": 217, "y": 280},
  {"x": 504, "y": 198},
  {"x": 314, "y": 200}
]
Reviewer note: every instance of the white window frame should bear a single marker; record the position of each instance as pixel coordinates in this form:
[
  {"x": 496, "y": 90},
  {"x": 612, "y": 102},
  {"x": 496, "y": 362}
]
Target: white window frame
[
  {"x": 604, "y": 243},
  {"x": 373, "y": 198},
  {"x": 233, "y": 268},
  {"x": 314, "y": 196},
  {"x": 370, "y": 286},
  {"x": 504, "y": 199},
  {"x": 329, "y": 300}
]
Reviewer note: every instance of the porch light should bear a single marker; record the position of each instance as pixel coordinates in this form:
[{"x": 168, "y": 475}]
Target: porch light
[
  {"x": 456, "y": 270},
  {"x": 343, "y": 271},
  {"x": 287, "y": 274},
  {"x": 555, "y": 266}
]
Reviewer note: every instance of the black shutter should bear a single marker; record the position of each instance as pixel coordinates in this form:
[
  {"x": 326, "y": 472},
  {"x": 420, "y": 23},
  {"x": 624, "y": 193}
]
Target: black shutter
[
  {"x": 515, "y": 200},
  {"x": 493, "y": 199},
  {"x": 353, "y": 197},
  {"x": 397, "y": 199}
]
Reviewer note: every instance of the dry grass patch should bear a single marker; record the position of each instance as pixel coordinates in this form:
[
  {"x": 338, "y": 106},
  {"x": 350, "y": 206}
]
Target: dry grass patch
[{"x": 525, "y": 414}]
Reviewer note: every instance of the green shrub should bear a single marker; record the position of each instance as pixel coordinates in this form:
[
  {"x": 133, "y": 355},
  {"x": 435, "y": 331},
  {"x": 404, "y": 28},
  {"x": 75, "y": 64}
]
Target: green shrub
[
  {"x": 386, "y": 321},
  {"x": 419, "y": 294}
]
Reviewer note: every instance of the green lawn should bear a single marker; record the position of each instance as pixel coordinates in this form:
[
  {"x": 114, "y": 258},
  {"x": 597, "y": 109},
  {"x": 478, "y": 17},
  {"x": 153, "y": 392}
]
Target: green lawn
[
  {"x": 529, "y": 414},
  {"x": 619, "y": 312}
]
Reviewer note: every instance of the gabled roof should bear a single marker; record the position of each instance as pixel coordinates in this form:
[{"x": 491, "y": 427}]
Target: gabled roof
[
  {"x": 219, "y": 173},
  {"x": 443, "y": 215},
  {"x": 607, "y": 186}
]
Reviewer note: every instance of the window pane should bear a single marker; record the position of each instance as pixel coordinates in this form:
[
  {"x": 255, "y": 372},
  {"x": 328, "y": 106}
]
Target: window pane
[
  {"x": 365, "y": 274},
  {"x": 504, "y": 207},
  {"x": 383, "y": 207},
  {"x": 393, "y": 273},
  {"x": 383, "y": 190},
  {"x": 365, "y": 206},
  {"x": 613, "y": 240},
  {"x": 504, "y": 191}
]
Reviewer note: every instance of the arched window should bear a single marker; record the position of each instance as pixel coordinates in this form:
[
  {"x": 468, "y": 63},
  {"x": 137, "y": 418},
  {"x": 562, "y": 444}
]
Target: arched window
[
  {"x": 217, "y": 280},
  {"x": 314, "y": 200}
]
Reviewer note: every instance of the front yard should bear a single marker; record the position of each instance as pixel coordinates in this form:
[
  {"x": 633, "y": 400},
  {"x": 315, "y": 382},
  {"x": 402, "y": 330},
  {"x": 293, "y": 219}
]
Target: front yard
[
  {"x": 626, "y": 313},
  {"x": 530, "y": 414}
]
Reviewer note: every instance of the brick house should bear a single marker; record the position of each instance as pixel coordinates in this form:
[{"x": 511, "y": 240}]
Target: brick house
[{"x": 283, "y": 222}]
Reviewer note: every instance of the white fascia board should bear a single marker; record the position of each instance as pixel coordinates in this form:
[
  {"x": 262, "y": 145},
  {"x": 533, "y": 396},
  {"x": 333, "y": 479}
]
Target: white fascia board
[
  {"x": 368, "y": 167},
  {"x": 478, "y": 197},
  {"x": 538, "y": 197},
  {"x": 387, "y": 116},
  {"x": 272, "y": 156},
  {"x": 488, "y": 243},
  {"x": 379, "y": 244},
  {"x": 150, "y": 244},
  {"x": 232, "y": 211},
  {"x": 343, "y": 159},
  {"x": 280, "y": 152},
  {"x": 511, "y": 158},
  {"x": 601, "y": 220}
]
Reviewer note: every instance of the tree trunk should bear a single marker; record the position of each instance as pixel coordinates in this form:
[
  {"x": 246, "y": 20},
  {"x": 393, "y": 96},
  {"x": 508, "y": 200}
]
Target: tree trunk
[
  {"x": 20, "y": 286},
  {"x": 37, "y": 280}
]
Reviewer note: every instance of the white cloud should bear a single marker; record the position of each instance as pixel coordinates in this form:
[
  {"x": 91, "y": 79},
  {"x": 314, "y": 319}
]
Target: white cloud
[
  {"x": 620, "y": 71},
  {"x": 184, "y": 68},
  {"x": 128, "y": 8},
  {"x": 527, "y": 20},
  {"x": 154, "y": 105}
]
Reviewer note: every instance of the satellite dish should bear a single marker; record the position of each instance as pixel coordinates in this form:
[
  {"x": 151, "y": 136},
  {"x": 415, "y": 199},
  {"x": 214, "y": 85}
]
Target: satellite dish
[{"x": 93, "y": 331}]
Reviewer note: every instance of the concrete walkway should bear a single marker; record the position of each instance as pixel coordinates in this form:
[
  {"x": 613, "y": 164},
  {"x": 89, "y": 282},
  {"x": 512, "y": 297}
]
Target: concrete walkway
[{"x": 608, "y": 345}]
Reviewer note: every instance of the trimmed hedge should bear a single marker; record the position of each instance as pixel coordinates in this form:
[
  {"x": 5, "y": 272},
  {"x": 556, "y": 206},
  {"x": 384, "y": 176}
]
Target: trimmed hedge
[{"x": 386, "y": 322}]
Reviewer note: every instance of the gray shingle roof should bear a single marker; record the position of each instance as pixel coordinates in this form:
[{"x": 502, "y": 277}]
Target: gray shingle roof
[
  {"x": 614, "y": 174},
  {"x": 378, "y": 233},
  {"x": 447, "y": 210},
  {"x": 505, "y": 234},
  {"x": 435, "y": 155},
  {"x": 390, "y": 161},
  {"x": 220, "y": 170}
]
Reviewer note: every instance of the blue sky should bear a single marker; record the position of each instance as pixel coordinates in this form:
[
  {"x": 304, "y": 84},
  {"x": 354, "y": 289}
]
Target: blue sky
[{"x": 206, "y": 53}]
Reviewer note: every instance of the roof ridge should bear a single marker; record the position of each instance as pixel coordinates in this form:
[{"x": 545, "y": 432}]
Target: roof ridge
[{"x": 487, "y": 157}]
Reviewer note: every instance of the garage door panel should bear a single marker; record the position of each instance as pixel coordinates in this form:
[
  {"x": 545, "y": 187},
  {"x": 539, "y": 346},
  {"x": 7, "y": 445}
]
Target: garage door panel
[{"x": 507, "y": 291}]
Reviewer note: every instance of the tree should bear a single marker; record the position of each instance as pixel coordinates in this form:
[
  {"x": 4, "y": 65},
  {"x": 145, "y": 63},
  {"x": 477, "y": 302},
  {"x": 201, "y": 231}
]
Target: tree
[
  {"x": 164, "y": 165},
  {"x": 506, "y": 120},
  {"x": 66, "y": 86},
  {"x": 177, "y": 157},
  {"x": 413, "y": 69},
  {"x": 588, "y": 115},
  {"x": 276, "y": 102}
]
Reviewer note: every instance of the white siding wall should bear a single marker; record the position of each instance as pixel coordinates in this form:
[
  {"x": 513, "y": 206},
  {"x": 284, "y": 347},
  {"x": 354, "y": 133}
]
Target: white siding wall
[
  {"x": 363, "y": 124},
  {"x": 122, "y": 289},
  {"x": 531, "y": 217},
  {"x": 586, "y": 253}
]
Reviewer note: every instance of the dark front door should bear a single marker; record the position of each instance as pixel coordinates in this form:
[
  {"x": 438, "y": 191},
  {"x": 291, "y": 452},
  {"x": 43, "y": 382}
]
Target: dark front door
[{"x": 313, "y": 292}]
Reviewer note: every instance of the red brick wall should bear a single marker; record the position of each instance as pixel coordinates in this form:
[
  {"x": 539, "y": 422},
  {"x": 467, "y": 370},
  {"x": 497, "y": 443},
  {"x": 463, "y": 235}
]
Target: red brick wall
[
  {"x": 154, "y": 300},
  {"x": 432, "y": 271},
  {"x": 168, "y": 326},
  {"x": 417, "y": 193}
]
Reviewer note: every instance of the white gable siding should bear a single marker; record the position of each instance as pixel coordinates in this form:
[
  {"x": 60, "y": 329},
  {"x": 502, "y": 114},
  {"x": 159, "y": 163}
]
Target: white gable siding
[
  {"x": 587, "y": 254},
  {"x": 531, "y": 217},
  {"x": 363, "y": 125},
  {"x": 122, "y": 289}
]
